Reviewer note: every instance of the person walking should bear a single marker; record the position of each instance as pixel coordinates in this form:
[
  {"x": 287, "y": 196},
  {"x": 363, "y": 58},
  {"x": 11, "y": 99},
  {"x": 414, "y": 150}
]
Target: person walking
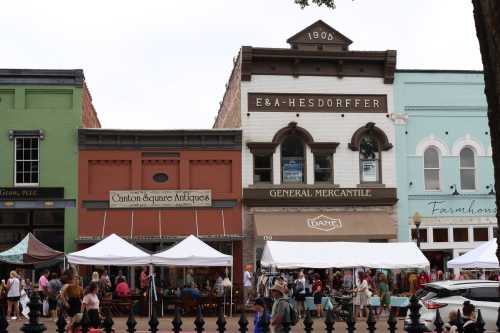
[
  {"x": 363, "y": 295},
  {"x": 260, "y": 312},
  {"x": 71, "y": 297},
  {"x": 13, "y": 295},
  {"x": 90, "y": 303},
  {"x": 53, "y": 290},
  {"x": 384, "y": 294},
  {"x": 300, "y": 293},
  {"x": 247, "y": 284},
  {"x": 468, "y": 311},
  {"x": 43, "y": 283},
  {"x": 317, "y": 292},
  {"x": 281, "y": 307}
]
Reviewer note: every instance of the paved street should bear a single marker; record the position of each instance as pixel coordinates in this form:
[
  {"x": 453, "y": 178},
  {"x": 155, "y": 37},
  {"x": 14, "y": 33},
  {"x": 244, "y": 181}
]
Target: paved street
[{"x": 210, "y": 326}]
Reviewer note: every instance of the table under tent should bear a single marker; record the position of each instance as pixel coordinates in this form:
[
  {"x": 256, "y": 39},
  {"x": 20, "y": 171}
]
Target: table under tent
[
  {"x": 352, "y": 255},
  {"x": 193, "y": 252}
]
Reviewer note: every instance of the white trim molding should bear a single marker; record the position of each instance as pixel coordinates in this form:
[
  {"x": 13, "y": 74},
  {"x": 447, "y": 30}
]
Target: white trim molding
[
  {"x": 490, "y": 151},
  {"x": 431, "y": 140},
  {"x": 399, "y": 118},
  {"x": 468, "y": 141}
]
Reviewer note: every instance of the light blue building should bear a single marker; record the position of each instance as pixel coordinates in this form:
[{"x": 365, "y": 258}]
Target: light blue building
[{"x": 444, "y": 165}]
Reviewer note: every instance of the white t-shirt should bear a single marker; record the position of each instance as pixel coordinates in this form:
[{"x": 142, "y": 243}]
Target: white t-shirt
[
  {"x": 14, "y": 290},
  {"x": 303, "y": 282},
  {"x": 91, "y": 301},
  {"x": 247, "y": 279}
]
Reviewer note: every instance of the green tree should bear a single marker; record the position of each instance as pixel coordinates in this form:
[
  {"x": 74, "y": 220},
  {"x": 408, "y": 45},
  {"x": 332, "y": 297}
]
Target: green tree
[{"x": 487, "y": 21}]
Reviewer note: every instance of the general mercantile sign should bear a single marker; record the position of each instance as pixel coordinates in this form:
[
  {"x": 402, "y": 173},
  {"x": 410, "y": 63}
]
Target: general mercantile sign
[
  {"x": 160, "y": 198},
  {"x": 314, "y": 196},
  {"x": 341, "y": 103}
]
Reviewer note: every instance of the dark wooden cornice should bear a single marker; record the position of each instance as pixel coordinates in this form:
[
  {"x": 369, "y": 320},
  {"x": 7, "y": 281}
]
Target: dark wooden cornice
[
  {"x": 262, "y": 148},
  {"x": 373, "y": 130},
  {"x": 171, "y": 139},
  {"x": 296, "y": 62},
  {"x": 324, "y": 147},
  {"x": 62, "y": 77}
]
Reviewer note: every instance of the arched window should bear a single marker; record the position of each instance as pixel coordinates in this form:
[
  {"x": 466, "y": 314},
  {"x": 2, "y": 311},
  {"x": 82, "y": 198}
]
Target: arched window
[
  {"x": 369, "y": 159},
  {"x": 431, "y": 169},
  {"x": 292, "y": 159},
  {"x": 467, "y": 169}
]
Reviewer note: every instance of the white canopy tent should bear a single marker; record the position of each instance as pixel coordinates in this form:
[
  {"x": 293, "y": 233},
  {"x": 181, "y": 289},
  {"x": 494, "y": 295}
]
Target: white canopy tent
[
  {"x": 293, "y": 255},
  {"x": 111, "y": 251},
  {"x": 193, "y": 252},
  {"x": 483, "y": 256}
]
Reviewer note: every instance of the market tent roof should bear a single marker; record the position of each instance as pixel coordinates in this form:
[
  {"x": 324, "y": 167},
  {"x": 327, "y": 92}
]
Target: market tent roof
[
  {"x": 292, "y": 255},
  {"x": 112, "y": 250},
  {"x": 29, "y": 251},
  {"x": 192, "y": 251},
  {"x": 483, "y": 256}
]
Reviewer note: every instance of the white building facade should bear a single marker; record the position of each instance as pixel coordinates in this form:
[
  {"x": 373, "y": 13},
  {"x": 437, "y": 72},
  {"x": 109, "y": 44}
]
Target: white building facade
[{"x": 318, "y": 158}]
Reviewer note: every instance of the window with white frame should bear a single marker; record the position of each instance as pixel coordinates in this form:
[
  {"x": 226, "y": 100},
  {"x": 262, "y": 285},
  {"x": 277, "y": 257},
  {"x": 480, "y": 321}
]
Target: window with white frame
[
  {"x": 26, "y": 161},
  {"x": 431, "y": 169},
  {"x": 467, "y": 169}
]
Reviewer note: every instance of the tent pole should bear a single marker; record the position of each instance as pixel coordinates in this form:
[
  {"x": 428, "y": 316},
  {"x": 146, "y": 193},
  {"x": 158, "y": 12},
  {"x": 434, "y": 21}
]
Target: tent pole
[{"x": 232, "y": 281}]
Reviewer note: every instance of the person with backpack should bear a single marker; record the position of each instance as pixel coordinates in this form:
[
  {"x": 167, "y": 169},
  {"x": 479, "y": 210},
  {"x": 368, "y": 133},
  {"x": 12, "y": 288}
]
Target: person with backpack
[
  {"x": 282, "y": 311},
  {"x": 299, "y": 293}
]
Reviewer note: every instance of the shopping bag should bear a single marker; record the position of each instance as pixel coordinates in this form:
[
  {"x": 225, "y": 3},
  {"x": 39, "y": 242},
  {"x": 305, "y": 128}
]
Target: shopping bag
[{"x": 45, "y": 308}]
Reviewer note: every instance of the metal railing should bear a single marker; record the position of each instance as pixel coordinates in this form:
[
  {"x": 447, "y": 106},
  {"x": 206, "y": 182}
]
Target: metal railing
[{"x": 413, "y": 326}]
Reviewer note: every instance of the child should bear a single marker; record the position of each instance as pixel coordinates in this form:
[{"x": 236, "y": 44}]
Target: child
[
  {"x": 259, "y": 308},
  {"x": 452, "y": 324}
]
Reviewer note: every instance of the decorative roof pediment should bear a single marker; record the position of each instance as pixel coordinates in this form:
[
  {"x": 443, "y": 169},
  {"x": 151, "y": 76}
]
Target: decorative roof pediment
[{"x": 319, "y": 36}]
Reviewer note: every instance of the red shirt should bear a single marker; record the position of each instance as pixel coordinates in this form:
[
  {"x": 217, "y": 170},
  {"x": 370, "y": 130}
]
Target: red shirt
[
  {"x": 122, "y": 289},
  {"x": 316, "y": 287}
]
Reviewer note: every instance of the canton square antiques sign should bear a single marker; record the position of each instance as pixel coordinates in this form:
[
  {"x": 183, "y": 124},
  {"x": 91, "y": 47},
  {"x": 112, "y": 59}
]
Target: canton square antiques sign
[
  {"x": 318, "y": 196},
  {"x": 335, "y": 103},
  {"x": 160, "y": 198},
  {"x": 324, "y": 223}
]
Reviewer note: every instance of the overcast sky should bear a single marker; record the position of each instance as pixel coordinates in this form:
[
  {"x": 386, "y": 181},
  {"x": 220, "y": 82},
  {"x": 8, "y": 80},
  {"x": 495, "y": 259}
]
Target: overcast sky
[{"x": 164, "y": 64}]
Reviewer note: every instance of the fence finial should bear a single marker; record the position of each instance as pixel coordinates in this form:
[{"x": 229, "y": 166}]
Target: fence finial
[
  {"x": 308, "y": 323},
  {"x": 177, "y": 321},
  {"x": 131, "y": 322},
  {"x": 221, "y": 321},
  {"x": 243, "y": 323},
  {"x": 107, "y": 323},
  {"x": 199, "y": 323},
  {"x": 34, "y": 325},
  {"x": 330, "y": 321}
]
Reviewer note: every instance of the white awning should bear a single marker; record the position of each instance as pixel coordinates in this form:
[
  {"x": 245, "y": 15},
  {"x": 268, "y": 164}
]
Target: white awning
[
  {"x": 483, "y": 256},
  {"x": 192, "y": 252},
  {"x": 293, "y": 255},
  {"x": 112, "y": 250}
]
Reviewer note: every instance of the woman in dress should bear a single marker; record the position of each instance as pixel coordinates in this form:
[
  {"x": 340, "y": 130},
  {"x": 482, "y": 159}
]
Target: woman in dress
[
  {"x": 384, "y": 294},
  {"x": 71, "y": 298},
  {"x": 362, "y": 294},
  {"x": 300, "y": 293}
]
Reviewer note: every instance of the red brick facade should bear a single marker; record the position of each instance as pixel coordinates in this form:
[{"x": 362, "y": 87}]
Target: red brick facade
[{"x": 89, "y": 115}]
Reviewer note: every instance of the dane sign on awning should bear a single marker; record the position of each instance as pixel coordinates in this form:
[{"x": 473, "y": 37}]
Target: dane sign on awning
[{"x": 160, "y": 198}]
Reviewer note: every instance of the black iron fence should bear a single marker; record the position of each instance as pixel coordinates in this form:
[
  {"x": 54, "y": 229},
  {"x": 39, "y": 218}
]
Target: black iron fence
[{"x": 413, "y": 326}]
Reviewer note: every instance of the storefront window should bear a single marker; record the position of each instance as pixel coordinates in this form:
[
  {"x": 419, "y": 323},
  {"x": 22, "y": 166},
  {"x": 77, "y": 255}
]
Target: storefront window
[
  {"x": 369, "y": 160},
  {"x": 460, "y": 234},
  {"x": 440, "y": 235},
  {"x": 13, "y": 218},
  {"x": 423, "y": 235},
  {"x": 262, "y": 168},
  {"x": 48, "y": 217},
  {"x": 292, "y": 160},
  {"x": 480, "y": 234},
  {"x": 431, "y": 169},
  {"x": 467, "y": 169},
  {"x": 323, "y": 168}
]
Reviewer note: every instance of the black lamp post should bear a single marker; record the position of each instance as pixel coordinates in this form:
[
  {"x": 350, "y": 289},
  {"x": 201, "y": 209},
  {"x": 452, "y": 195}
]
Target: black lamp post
[{"x": 417, "y": 220}]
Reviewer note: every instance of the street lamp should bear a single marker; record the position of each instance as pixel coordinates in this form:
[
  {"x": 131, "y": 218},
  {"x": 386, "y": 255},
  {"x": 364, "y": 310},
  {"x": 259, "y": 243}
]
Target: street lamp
[{"x": 417, "y": 220}]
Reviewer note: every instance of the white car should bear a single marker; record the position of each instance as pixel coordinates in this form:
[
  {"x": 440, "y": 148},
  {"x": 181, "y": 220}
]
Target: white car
[{"x": 451, "y": 295}]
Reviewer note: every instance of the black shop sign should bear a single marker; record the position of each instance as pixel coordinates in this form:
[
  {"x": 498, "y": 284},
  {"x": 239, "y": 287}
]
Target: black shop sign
[{"x": 31, "y": 193}]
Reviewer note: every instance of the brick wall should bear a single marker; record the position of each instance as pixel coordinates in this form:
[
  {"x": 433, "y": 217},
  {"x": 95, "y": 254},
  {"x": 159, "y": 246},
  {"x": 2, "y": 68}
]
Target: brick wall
[
  {"x": 89, "y": 115},
  {"x": 229, "y": 115}
]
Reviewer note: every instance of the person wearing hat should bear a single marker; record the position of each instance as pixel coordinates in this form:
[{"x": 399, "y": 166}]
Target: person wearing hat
[{"x": 281, "y": 307}]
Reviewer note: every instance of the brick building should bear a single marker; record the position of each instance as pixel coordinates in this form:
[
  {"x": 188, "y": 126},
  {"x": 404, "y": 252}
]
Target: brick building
[
  {"x": 154, "y": 188},
  {"x": 317, "y": 157}
]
